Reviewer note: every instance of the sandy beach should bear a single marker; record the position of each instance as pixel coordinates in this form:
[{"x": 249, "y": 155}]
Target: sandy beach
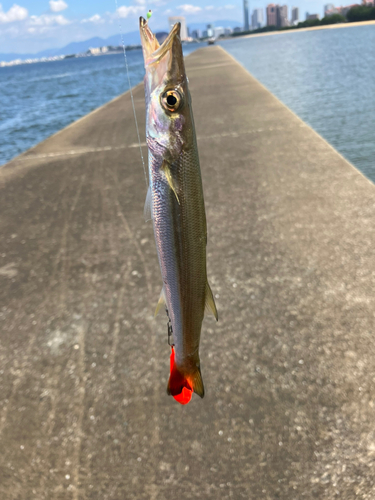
[{"x": 314, "y": 28}]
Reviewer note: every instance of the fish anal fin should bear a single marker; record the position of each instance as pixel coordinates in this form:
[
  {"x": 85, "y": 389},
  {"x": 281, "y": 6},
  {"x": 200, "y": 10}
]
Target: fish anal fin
[
  {"x": 160, "y": 303},
  {"x": 210, "y": 302},
  {"x": 182, "y": 385},
  {"x": 168, "y": 175},
  {"x": 147, "y": 209}
]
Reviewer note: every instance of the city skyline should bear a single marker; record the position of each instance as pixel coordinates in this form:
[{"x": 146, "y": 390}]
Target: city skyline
[{"x": 34, "y": 25}]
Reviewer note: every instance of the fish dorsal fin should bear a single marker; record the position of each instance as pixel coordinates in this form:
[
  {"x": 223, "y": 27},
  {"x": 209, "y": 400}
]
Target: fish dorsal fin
[
  {"x": 210, "y": 302},
  {"x": 147, "y": 212},
  {"x": 160, "y": 303},
  {"x": 168, "y": 174}
]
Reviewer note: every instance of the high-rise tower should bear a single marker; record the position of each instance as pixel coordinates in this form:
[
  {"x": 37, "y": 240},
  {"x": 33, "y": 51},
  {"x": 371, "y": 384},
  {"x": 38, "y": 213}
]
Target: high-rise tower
[
  {"x": 282, "y": 16},
  {"x": 246, "y": 15},
  {"x": 295, "y": 15},
  {"x": 179, "y": 19},
  {"x": 271, "y": 14},
  {"x": 257, "y": 19}
]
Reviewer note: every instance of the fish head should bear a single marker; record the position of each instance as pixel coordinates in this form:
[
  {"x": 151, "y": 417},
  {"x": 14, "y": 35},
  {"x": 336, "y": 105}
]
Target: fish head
[{"x": 168, "y": 107}]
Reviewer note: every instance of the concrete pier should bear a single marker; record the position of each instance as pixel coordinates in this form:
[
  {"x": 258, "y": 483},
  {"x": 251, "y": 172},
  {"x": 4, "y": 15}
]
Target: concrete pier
[{"x": 289, "y": 369}]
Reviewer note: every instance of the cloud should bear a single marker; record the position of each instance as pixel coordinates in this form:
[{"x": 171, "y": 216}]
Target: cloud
[
  {"x": 15, "y": 13},
  {"x": 209, "y": 7},
  {"x": 48, "y": 20},
  {"x": 147, "y": 3},
  {"x": 129, "y": 11},
  {"x": 57, "y": 5},
  {"x": 189, "y": 9},
  {"x": 46, "y": 24},
  {"x": 140, "y": 7},
  {"x": 96, "y": 19}
]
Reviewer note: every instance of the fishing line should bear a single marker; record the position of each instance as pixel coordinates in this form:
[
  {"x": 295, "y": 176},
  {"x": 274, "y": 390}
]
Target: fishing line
[{"x": 131, "y": 95}]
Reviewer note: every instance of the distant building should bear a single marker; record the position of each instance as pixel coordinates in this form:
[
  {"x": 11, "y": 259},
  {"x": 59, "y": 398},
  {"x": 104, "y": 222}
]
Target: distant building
[
  {"x": 228, "y": 31},
  {"x": 328, "y": 8},
  {"x": 312, "y": 16},
  {"x": 246, "y": 26},
  {"x": 16, "y": 62},
  {"x": 179, "y": 19},
  {"x": 330, "y": 12},
  {"x": 96, "y": 51},
  {"x": 210, "y": 30},
  {"x": 257, "y": 19},
  {"x": 196, "y": 33},
  {"x": 295, "y": 15},
  {"x": 282, "y": 16},
  {"x": 345, "y": 10},
  {"x": 307, "y": 15},
  {"x": 218, "y": 31},
  {"x": 271, "y": 14},
  {"x": 237, "y": 30}
]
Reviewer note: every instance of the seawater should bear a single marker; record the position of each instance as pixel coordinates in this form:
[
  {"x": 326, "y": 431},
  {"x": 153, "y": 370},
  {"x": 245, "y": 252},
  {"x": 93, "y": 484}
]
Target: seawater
[
  {"x": 37, "y": 100},
  {"x": 326, "y": 77}
]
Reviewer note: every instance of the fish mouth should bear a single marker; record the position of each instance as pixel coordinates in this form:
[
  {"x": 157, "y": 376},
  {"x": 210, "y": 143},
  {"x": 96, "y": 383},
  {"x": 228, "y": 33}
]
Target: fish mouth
[{"x": 152, "y": 50}]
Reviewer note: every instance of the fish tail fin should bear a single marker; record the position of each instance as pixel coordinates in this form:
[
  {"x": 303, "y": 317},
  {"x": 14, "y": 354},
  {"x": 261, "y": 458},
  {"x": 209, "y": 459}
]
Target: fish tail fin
[{"x": 181, "y": 386}]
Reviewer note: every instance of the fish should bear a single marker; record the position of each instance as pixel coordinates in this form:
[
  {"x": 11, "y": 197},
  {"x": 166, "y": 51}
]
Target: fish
[{"x": 175, "y": 204}]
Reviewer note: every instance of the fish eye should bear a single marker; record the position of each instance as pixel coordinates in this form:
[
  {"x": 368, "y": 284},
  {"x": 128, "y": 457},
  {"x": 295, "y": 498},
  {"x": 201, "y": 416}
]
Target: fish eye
[{"x": 171, "y": 100}]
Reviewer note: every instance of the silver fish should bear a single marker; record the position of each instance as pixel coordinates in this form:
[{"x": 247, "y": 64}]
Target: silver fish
[{"x": 176, "y": 206}]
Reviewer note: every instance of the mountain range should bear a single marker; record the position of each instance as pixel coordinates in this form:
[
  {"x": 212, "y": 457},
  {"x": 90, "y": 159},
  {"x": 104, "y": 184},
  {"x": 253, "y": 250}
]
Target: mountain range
[{"x": 131, "y": 38}]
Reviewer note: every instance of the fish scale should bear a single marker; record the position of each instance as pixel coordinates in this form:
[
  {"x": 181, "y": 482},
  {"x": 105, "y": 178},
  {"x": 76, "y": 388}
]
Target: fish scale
[{"x": 180, "y": 235}]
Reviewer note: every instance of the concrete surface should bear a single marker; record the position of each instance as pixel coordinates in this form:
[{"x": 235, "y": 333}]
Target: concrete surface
[{"x": 289, "y": 369}]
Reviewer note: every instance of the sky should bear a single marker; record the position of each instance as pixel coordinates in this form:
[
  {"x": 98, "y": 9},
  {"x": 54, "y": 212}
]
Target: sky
[{"x": 29, "y": 26}]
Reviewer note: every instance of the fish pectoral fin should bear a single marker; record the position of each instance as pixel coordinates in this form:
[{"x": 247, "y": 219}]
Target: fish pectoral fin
[
  {"x": 168, "y": 175},
  {"x": 210, "y": 302},
  {"x": 160, "y": 303},
  {"x": 147, "y": 209}
]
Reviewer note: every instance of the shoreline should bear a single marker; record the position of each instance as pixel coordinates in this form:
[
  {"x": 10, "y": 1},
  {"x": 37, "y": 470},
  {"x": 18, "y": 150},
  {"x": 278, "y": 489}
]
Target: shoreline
[{"x": 313, "y": 28}]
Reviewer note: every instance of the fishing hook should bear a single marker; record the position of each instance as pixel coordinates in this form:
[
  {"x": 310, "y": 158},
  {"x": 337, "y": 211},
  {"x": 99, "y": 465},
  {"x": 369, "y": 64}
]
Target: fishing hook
[{"x": 170, "y": 330}]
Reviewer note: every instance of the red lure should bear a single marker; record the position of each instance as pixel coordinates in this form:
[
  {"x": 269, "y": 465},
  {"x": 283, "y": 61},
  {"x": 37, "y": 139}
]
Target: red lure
[{"x": 177, "y": 382}]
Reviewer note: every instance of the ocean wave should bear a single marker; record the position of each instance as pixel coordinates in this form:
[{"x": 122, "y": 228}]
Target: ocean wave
[{"x": 51, "y": 77}]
